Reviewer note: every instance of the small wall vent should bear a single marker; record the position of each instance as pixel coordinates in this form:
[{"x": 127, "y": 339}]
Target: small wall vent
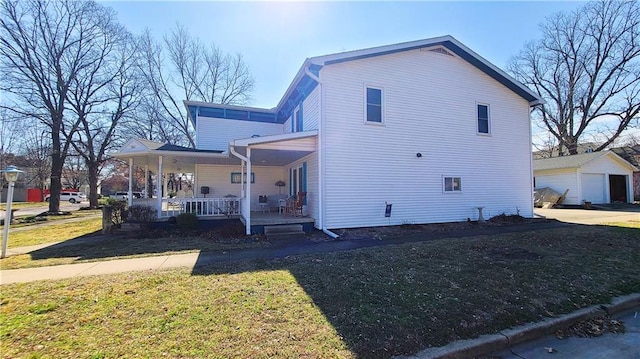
[{"x": 437, "y": 50}]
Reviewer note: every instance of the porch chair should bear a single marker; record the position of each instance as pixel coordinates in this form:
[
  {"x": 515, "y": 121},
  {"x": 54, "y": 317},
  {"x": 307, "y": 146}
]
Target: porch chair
[
  {"x": 299, "y": 203},
  {"x": 289, "y": 205}
]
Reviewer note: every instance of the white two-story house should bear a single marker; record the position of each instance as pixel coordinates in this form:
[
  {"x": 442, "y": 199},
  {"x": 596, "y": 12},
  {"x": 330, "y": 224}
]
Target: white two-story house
[{"x": 419, "y": 132}]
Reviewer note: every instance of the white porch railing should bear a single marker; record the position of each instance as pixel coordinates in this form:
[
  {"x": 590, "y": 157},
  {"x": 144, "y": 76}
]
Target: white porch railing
[{"x": 202, "y": 207}]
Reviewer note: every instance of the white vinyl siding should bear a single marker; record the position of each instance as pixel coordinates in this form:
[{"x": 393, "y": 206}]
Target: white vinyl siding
[
  {"x": 218, "y": 178},
  {"x": 311, "y": 110},
  {"x": 216, "y": 133},
  {"x": 429, "y": 107},
  {"x": 287, "y": 125}
]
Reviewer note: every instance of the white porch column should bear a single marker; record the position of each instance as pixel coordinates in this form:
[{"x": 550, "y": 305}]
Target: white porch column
[
  {"x": 130, "y": 192},
  {"x": 165, "y": 186},
  {"x": 146, "y": 181},
  {"x": 248, "y": 197},
  {"x": 159, "y": 187}
]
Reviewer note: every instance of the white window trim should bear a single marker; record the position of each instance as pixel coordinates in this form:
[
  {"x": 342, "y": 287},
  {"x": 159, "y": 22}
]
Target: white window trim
[
  {"x": 382, "y": 104},
  {"x": 297, "y": 179},
  {"x": 444, "y": 177},
  {"x": 294, "y": 119},
  {"x": 488, "y": 119}
]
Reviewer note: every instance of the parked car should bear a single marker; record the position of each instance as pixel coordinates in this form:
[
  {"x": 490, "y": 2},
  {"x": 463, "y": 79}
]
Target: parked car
[
  {"x": 72, "y": 197},
  {"x": 125, "y": 195}
]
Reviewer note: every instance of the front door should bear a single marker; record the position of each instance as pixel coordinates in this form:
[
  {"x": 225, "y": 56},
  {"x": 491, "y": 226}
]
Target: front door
[{"x": 298, "y": 179}]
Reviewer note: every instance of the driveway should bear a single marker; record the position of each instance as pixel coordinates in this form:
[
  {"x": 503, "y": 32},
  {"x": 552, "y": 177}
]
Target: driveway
[{"x": 584, "y": 216}]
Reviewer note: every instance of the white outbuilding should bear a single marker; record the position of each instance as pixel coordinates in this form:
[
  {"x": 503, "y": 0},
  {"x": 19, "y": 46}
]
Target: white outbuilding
[{"x": 596, "y": 177}]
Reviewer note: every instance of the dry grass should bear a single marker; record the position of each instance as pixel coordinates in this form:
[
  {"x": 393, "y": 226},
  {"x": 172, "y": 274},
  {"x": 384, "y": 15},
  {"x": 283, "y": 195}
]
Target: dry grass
[
  {"x": 53, "y": 232},
  {"x": 628, "y": 224},
  {"x": 366, "y": 303}
]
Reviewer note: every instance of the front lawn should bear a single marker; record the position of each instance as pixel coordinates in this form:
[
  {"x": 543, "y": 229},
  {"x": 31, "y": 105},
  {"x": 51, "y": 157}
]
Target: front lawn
[
  {"x": 366, "y": 303},
  {"x": 53, "y": 232},
  {"x": 82, "y": 243}
]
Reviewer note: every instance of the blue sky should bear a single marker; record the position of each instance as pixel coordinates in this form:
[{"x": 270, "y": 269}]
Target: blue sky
[{"x": 276, "y": 37}]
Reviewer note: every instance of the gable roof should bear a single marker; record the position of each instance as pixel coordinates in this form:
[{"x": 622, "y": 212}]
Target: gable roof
[
  {"x": 629, "y": 153},
  {"x": 305, "y": 80},
  {"x": 575, "y": 161},
  {"x": 141, "y": 145}
]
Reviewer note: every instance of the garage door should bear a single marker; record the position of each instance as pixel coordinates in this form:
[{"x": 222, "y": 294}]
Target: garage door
[{"x": 593, "y": 188}]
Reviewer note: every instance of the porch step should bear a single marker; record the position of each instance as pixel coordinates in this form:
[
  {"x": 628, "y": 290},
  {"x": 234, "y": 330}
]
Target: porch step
[{"x": 284, "y": 231}]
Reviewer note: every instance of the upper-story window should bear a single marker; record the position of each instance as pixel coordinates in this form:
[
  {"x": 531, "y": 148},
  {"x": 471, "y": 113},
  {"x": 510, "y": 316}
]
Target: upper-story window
[
  {"x": 374, "y": 105},
  {"x": 296, "y": 119},
  {"x": 483, "y": 119}
]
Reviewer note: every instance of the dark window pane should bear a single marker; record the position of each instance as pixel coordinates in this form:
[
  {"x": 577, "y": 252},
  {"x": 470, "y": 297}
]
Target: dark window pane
[
  {"x": 374, "y": 113},
  {"x": 448, "y": 184},
  {"x": 374, "y": 96},
  {"x": 483, "y": 111},
  {"x": 483, "y": 126}
]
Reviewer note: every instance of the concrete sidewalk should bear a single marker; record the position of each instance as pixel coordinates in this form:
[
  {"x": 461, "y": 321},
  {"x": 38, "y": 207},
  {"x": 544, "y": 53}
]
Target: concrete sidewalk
[{"x": 98, "y": 268}]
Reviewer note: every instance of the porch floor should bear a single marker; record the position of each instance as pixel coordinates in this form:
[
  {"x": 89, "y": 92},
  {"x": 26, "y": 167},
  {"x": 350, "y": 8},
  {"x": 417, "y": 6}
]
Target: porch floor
[{"x": 274, "y": 218}]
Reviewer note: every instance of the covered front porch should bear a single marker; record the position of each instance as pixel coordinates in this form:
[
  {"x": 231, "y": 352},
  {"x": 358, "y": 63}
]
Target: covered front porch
[{"x": 230, "y": 184}]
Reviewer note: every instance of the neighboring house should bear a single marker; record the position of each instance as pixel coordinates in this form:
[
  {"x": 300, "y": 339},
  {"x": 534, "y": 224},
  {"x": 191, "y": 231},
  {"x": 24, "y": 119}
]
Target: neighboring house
[
  {"x": 632, "y": 155},
  {"x": 555, "y": 151},
  {"x": 428, "y": 126},
  {"x": 596, "y": 177}
]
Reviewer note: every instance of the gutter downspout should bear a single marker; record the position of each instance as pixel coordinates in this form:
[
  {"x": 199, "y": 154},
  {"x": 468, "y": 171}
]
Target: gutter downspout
[
  {"x": 248, "y": 193},
  {"x": 321, "y": 161}
]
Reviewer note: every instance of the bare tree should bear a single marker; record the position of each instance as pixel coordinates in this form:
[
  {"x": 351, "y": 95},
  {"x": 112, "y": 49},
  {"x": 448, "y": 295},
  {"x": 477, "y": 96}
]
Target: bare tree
[
  {"x": 183, "y": 68},
  {"x": 587, "y": 68},
  {"x": 37, "y": 153},
  {"x": 44, "y": 46},
  {"x": 74, "y": 173},
  {"x": 102, "y": 95}
]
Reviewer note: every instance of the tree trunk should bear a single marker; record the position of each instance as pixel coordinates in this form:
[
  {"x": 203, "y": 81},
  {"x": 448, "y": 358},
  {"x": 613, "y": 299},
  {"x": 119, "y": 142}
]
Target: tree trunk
[
  {"x": 56, "y": 181},
  {"x": 57, "y": 163},
  {"x": 92, "y": 168}
]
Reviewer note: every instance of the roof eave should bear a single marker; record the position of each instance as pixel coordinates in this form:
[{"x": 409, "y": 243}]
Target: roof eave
[{"x": 244, "y": 142}]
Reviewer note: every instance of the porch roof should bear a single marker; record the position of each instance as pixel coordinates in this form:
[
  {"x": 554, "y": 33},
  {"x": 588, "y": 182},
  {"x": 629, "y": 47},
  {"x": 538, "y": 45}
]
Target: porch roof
[
  {"x": 277, "y": 150},
  {"x": 274, "y": 150}
]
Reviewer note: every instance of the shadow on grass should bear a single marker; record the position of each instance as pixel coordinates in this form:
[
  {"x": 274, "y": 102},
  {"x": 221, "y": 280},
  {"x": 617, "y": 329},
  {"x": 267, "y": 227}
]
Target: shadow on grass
[
  {"x": 96, "y": 246},
  {"x": 398, "y": 299}
]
